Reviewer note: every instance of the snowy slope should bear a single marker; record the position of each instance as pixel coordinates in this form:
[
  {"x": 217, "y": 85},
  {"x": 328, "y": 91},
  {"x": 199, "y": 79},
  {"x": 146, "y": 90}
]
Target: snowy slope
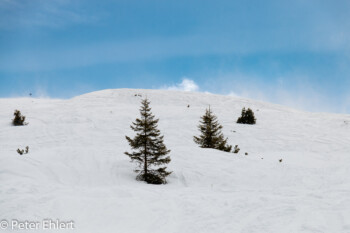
[{"x": 76, "y": 169}]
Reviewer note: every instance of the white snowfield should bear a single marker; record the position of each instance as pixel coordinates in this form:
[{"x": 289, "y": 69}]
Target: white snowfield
[{"x": 76, "y": 169}]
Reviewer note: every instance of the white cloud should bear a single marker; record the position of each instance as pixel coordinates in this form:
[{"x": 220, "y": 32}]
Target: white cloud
[
  {"x": 185, "y": 85},
  {"x": 233, "y": 94}
]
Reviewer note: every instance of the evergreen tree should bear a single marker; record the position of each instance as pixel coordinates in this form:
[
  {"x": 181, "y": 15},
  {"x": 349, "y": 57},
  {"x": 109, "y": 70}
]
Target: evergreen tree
[
  {"x": 148, "y": 146},
  {"x": 19, "y": 119},
  {"x": 247, "y": 117},
  {"x": 211, "y": 135}
]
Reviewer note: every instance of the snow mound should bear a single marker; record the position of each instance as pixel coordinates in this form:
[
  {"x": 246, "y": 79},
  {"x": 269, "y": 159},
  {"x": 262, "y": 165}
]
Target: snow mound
[{"x": 76, "y": 168}]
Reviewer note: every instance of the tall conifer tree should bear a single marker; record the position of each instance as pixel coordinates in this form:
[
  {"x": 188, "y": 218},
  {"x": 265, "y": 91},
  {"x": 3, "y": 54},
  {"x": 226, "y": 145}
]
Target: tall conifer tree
[
  {"x": 211, "y": 135},
  {"x": 148, "y": 146}
]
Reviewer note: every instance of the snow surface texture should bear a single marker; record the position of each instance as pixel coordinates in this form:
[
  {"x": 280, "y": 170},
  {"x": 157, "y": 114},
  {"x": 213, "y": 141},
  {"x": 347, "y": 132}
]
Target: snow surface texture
[{"x": 76, "y": 169}]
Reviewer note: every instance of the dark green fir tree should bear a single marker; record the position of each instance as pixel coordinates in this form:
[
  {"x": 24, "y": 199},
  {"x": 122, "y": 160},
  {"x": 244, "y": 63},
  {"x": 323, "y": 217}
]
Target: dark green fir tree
[
  {"x": 19, "y": 118},
  {"x": 149, "y": 149},
  {"x": 247, "y": 117},
  {"x": 211, "y": 135}
]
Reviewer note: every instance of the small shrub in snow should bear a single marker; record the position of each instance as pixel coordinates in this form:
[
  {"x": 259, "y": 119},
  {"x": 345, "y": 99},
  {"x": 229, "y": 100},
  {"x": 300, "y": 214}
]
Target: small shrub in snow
[
  {"x": 247, "y": 117},
  {"x": 19, "y": 119},
  {"x": 21, "y": 152},
  {"x": 236, "y": 149}
]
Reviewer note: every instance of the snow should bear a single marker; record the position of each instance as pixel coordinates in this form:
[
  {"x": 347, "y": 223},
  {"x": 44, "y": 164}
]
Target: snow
[{"x": 76, "y": 168}]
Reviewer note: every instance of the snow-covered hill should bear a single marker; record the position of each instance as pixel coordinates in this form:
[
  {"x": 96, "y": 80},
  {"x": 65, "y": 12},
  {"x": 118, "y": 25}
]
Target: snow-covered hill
[{"x": 76, "y": 169}]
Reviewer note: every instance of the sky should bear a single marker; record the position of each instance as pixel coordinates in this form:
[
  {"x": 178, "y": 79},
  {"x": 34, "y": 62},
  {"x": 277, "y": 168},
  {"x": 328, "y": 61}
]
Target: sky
[{"x": 295, "y": 53}]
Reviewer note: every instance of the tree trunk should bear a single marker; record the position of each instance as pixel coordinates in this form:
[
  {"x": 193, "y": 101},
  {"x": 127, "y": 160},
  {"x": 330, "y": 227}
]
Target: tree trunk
[{"x": 145, "y": 164}]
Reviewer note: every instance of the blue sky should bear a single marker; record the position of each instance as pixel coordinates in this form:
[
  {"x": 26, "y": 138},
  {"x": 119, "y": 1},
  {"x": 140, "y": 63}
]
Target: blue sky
[{"x": 295, "y": 53}]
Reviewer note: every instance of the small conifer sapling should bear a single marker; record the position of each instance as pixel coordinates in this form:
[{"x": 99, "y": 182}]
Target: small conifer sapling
[
  {"x": 247, "y": 117},
  {"x": 236, "y": 149},
  {"x": 211, "y": 135},
  {"x": 19, "y": 151},
  {"x": 22, "y": 151},
  {"x": 19, "y": 119}
]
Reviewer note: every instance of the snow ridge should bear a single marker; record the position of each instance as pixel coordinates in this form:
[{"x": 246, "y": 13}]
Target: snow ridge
[{"x": 76, "y": 169}]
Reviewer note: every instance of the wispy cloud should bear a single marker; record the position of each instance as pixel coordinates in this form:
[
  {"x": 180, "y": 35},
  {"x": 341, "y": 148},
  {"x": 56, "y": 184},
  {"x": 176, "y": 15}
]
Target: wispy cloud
[
  {"x": 293, "y": 90},
  {"x": 145, "y": 49},
  {"x": 303, "y": 95},
  {"x": 42, "y": 13}
]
